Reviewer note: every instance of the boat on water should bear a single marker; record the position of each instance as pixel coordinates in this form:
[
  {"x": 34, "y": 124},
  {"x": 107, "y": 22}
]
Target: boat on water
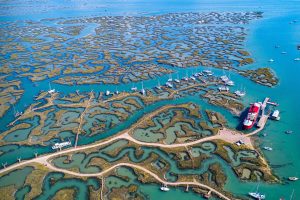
[
  {"x": 240, "y": 93},
  {"x": 288, "y": 132},
  {"x": 164, "y": 188},
  {"x": 168, "y": 84},
  {"x": 268, "y": 148},
  {"x": 107, "y": 93},
  {"x": 224, "y": 78},
  {"x": 229, "y": 82},
  {"x": 293, "y": 178},
  {"x": 257, "y": 195},
  {"x": 185, "y": 78},
  {"x": 223, "y": 89},
  {"x": 252, "y": 115},
  {"x": 275, "y": 115},
  {"x": 208, "y": 72},
  {"x": 17, "y": 114},
  {"x": 61, "y": 145},
  {"x": 170, "y": 79},
  {"x": 193, "y": 78},
  {"x": 297, "y": 59},
  {"x": 117, "y": 91},
  {"x": 283, "y": 52},
  {"x": 134, "y": 89},
  {"x": 51, "y": 91},
  {"x": 177, "y": 79},
  {"x": 143, "y": 91},
  {"x": 158, "y": 86},
  {"x": 271, "y": 60}
]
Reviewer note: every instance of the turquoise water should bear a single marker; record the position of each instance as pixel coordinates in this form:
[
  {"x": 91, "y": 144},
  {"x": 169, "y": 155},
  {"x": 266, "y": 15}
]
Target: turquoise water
[{"x": 264, "y": 34}]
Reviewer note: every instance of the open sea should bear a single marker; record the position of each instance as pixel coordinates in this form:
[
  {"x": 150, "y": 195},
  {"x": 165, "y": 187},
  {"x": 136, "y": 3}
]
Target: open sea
[{"x": 263, "y": 35}]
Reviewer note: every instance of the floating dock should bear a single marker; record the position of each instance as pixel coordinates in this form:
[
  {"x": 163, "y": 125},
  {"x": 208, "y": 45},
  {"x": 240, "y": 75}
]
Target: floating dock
[{"x": 264, "y": 117}]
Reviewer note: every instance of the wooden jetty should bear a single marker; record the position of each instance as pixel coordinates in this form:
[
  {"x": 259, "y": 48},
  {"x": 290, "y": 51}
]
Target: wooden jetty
[{"x": 264, "y": 117}]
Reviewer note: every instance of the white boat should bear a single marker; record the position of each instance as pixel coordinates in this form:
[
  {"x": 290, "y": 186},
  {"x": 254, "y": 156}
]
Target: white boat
[
  {"x": 51, "y": 91},
  {"x": 240, "y": 93},
  {"x": 117, "y": 91},
  {"x": 297, "y": 59},
  {"x": 293, "y": 178},
  {"x": 283, "y": 52},
  {"x": 275, "y": 115},
  {"x": 268, "y": 148},
  {"x": 208, "y": 72},
  {"x": 224, "y": 78},
  {"x": 168, "y": 84},
  {"x": 185, "y": 78},
  {"x": 229, "y": 82},
  {"x": 17, "y": 114},
  {"x": 164, "y": 188},
  {"x": 257, "y": 195},
  {"x": 143, "y": 91},
  {"x": 158, "y": 86},
  {"x": 271, "y": 60},
  {"x": 61, "y": 145},
  {"x": 223, "y": 88},
  {"x": 134, "y": 89},
  {"x": 193, "y": 78},
  {"x": 107, "y": 92},
  {"x": 177, "y": 79}
]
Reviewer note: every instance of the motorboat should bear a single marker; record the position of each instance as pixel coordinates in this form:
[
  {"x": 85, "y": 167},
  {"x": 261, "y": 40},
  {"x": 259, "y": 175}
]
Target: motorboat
[
  {"x": 134, "y": 89},
  {"x": 223, "y": 89},
  {"x": 257, "y": 195},
  {"x": 293, "y": 178},
  {"x": 240, "y": 93},
  {"x": 268, "y": 148},
  {"x": 164, "y": 188},
  {"x": 168, "y": 84}
]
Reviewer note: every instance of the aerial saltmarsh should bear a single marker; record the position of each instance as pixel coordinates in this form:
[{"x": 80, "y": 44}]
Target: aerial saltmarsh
[{"x": 71, "y": 80}]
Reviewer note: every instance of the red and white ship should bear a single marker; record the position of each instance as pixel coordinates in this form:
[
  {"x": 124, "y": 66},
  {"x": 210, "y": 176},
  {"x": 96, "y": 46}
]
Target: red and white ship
[{"x": 253, "y": 112}]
